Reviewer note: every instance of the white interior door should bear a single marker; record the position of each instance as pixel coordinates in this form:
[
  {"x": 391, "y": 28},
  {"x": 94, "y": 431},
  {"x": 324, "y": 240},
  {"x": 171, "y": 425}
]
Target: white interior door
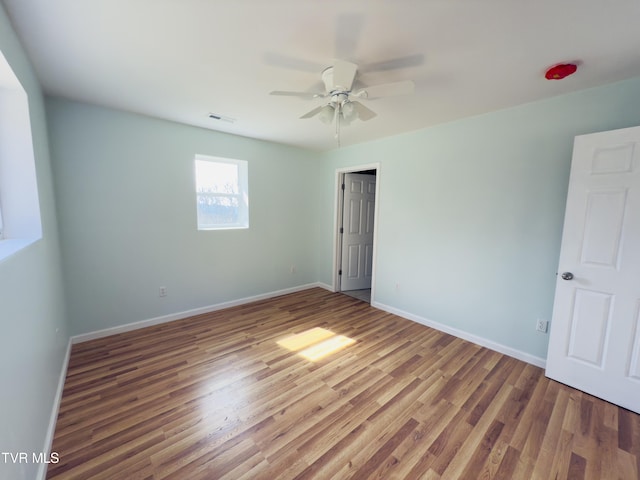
[
  {"x": 594, "y": 343},
  {"x": 357, "y": 235}
]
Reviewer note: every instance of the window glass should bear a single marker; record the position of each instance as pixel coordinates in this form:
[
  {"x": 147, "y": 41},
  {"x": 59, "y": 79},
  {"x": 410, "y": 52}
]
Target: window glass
[{"x": 222, "y": 196}]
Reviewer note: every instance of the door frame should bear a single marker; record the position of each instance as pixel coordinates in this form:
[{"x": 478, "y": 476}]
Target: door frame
[{"x": 337, "y": 218}]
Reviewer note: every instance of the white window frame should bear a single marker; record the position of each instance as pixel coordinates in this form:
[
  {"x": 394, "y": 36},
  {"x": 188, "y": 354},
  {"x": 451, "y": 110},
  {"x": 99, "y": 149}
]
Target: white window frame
[
  {"x": 242, "y": 195},
  {"x": 1, "y": 224},
  {"x": 20, "y": 222}
]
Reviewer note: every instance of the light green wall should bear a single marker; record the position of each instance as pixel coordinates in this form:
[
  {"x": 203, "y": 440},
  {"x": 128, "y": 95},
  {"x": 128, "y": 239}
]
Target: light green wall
[
  {"x": 471, "y": 212},
  {"x": 126, "y": 197},
  {"x": 32, "y": 312}
]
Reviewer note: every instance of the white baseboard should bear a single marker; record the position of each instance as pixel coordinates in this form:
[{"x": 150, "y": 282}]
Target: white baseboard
[
  {"x": 484, "y": 342},
  {"x": 51, "y": 429},
  {"x": 85, "y": 337},
  {"x": 325, "y": 286},
  {"x": 498, "y": 347}
]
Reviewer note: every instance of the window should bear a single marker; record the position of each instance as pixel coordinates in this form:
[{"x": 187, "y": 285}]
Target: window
[
  {"x": 20, "y": 223},
  {"x": 222, "y": 194}
]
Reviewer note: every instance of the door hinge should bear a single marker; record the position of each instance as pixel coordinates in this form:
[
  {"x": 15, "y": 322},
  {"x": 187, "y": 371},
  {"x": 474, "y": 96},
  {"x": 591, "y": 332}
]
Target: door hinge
[
  {"x": 341, "y": 230},
  {"x": 343, "y": 186},
  {"x": 339, "y": 272}
]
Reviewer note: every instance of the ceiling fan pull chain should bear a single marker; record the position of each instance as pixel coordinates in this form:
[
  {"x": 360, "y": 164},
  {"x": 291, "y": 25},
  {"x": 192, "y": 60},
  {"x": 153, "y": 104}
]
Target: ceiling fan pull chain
[{"x": 337, "y": 120}]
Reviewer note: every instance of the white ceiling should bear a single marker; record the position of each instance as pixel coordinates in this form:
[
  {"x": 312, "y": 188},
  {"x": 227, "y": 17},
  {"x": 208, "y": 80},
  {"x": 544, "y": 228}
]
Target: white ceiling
[{"x": 181, "y": 59}]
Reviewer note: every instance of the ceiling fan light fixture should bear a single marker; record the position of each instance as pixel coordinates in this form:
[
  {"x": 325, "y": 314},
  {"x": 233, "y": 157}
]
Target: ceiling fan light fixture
[
  {"x": 326, "y": 114},
  {"x": 349, "y": 113}
]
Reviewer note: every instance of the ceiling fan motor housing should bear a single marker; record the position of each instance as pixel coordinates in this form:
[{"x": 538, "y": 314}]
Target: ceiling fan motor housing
[
  {"x": 329, "y": 85},
  {"x": 327, "y": 78}
]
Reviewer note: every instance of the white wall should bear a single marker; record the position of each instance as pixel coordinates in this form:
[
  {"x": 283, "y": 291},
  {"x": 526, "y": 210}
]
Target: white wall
[{"x": 33, "y": 325}]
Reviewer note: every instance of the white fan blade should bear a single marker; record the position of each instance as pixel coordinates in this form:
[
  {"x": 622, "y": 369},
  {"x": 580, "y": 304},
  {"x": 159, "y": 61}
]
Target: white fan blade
[
  {"x": 312, "y": 113},
  {"x": 364, "y": 113},
  {"x": 297, "y": 94},
  {"x": 387, "y": 90},
  {"x": 343, "y": 75},
  {"x": 393, "y": 64},
  {"x": 293, "y": 63}
]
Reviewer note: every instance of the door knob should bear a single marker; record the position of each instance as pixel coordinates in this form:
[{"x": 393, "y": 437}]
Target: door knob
[{"x": 567, "y": 276}]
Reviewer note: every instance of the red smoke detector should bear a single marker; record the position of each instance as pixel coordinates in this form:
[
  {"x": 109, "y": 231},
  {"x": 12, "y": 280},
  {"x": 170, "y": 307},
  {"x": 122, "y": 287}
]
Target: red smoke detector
[{"x": 558, "y": 72}]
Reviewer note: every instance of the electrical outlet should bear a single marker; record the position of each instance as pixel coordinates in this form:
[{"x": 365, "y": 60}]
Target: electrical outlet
[
  {"x": 163, "y": 291},
  {"x": 542, "y": 325}
]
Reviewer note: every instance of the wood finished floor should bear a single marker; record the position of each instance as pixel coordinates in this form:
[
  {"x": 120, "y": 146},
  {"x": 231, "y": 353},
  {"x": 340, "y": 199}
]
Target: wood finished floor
[{"x": 215, "y": 397}]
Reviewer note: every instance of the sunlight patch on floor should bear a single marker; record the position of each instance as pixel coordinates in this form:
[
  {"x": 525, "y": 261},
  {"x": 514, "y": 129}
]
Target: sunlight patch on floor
[{"x": 315, "y": 343}]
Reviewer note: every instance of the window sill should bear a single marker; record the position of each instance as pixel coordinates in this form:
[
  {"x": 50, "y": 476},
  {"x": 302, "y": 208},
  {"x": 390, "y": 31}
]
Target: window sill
[
  {"x": 211, "y": 229},
  {"x": 10, "y": 246}
]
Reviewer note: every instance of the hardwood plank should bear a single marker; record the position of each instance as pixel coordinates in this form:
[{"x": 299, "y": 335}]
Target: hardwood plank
[
  {"x": 370, "y": 469},
  {"x": 508, "y": 465},
  {"x": 475, "y": 465},
  {"x": 414, "y": 460},
  {"x": 215, "y": 396},
  {"x": 552, "y": 434},
  {"x": 477, "y": 445},
  {"x": 577, "y": 467}
]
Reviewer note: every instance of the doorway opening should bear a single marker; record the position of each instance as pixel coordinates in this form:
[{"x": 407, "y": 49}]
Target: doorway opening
[{"x": 356, "y": 215}]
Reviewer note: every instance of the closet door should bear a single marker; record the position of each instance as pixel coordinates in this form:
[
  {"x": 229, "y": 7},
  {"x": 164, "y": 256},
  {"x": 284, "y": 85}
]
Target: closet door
[{"x": 357, "y": 236}]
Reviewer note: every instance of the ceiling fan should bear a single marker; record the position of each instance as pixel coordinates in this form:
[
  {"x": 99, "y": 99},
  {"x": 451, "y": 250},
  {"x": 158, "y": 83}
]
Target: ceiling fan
[{"x": 343, "y": 104}]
